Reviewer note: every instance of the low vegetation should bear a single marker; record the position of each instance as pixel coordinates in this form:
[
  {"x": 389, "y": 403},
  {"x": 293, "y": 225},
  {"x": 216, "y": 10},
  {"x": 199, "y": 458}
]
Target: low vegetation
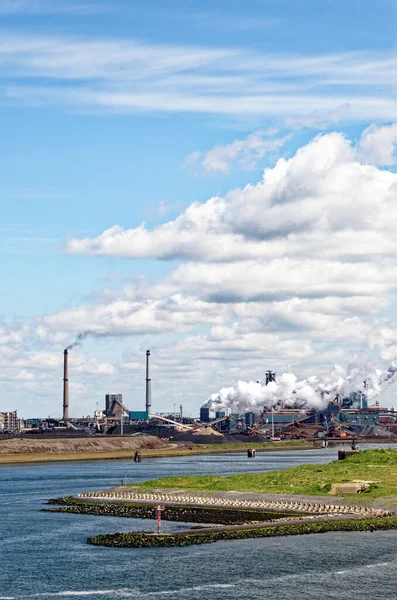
[{"x": 377, "y": 466}]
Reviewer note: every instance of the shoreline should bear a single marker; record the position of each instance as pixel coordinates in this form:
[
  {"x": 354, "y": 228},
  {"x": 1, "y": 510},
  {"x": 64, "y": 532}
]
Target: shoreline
[
  {"x": 211, "y": 535},
  {"x": 218, "y": 523},
  {"x": 237, "y": 511},
  {"x": 40, "y": 458}
]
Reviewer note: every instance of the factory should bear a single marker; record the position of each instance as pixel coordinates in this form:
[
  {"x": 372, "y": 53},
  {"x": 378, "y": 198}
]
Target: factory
[
  {"x": 115, "y": 419},
  {"x": 341, "y": 417},
  {"x": 289, "y": 418}
]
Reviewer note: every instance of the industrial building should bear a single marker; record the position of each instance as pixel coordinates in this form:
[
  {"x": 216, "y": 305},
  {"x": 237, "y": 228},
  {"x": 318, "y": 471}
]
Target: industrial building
[
  {"x": 113, "y": 406},
  {"x": 342, "y": 415},
  {"x": 9, "y": 421}
]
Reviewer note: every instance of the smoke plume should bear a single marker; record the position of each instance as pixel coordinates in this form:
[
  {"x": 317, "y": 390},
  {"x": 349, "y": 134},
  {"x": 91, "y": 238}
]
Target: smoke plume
[
  {"x": 79, "y": 339},
  {"x": 314, "y": 392}
]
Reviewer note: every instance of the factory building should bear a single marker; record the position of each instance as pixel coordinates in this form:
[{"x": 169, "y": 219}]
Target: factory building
[
  {"x": 205, "y": 414},
  {"x": 138, "y": 415},
  {"x": 9, "y": 421},
  {"x": 113, "y": 407},
  {"x": 250, "y": 418}
]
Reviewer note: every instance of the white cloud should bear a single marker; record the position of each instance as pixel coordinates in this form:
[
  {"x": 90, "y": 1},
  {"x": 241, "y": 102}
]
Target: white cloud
[
  {"x": 321, "y": 204},
  {"x": 267, "y": 280},
  {"x": 123, "y": 317},
  {"x": 246, "y": 153},
  {"x": 124, "y": 75},
  {"x": 289, "y": 273},
  {"x": 378, "y": 145},
  {"x": 293, "y": 272}
]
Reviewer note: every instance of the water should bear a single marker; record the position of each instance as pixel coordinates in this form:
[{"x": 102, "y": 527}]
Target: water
[{"x": 44, "y": 555}]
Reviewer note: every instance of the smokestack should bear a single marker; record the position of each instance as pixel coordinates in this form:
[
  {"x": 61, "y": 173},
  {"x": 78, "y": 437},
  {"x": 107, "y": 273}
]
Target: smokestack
[
  {"x": 65, "y": 386},
  {"x": 148, "y": 384}
]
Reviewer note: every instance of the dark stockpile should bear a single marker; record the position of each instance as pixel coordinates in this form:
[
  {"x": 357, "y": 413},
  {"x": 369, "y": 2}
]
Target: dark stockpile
[{"x": 239, "y": 438}]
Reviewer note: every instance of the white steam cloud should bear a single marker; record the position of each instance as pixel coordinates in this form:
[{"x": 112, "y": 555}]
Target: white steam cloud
[{"x": 314, "y": 392}]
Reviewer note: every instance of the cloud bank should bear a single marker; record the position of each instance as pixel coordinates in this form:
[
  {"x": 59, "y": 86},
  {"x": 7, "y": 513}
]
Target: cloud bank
[{"x": 295, "y": 273}]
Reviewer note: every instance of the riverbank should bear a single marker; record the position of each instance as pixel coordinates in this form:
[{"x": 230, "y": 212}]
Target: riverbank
[
  {"x": 249, "y": 506},
  {"x": 221, "y": 523},
  {"x": 163, "y": 451},
  {"x": 377, "y": 469}
]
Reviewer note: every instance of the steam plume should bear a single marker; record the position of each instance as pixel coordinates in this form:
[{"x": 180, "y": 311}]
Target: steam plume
[{"x": 314, "y": 392}]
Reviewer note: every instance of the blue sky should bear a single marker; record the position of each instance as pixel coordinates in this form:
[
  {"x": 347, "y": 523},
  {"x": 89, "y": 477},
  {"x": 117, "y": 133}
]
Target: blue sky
[{"x": 119, "y": 113}]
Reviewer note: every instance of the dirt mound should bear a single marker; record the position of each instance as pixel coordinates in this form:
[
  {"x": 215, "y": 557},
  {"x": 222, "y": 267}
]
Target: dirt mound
[
  {"x": 373, "y": 431},
  {"x": 188, "y": 437},
  {"x": 54, "y": 446},
  {"x": 206, "y": 431},
  {"x": 201, "y": 438}
]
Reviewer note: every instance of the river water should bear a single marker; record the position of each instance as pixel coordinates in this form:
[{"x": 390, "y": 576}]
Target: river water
[{"x": 45, "y": 555}]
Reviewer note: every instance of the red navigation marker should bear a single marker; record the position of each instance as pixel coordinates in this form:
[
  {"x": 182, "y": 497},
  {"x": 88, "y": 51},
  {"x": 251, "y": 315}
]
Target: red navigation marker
[{"x": 159, "y": 509}]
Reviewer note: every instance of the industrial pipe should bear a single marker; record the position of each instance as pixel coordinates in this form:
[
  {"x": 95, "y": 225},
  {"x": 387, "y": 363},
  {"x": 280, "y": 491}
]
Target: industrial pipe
[
  {"x": 148, "y": 384},
  {"x": 65, "y": 386}
]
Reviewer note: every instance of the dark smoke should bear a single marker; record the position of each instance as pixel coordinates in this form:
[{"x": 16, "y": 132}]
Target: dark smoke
[{"x": 79, "y": 339}]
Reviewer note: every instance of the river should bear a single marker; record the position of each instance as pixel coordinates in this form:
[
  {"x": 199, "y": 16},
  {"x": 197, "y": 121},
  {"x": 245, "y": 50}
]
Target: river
[{"x": 45, "y": 555}]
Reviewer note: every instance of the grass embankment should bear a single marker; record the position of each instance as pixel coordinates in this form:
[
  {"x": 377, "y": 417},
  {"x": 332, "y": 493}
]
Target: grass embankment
[
  {"x": 378, "y": 466},
  {"x": 167, "y": 451},
  {"x": 142, "y": 540}
]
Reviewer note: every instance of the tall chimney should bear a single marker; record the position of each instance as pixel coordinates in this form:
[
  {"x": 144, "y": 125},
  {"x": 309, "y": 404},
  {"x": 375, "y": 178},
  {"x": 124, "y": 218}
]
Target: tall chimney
[
  {"x": 65, "y": 386},
  {"x": 148, "y": 384}
]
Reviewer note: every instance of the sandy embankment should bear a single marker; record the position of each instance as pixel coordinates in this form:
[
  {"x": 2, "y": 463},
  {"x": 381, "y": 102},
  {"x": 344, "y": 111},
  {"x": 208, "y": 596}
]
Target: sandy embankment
[{"x": 34, "y": 450}]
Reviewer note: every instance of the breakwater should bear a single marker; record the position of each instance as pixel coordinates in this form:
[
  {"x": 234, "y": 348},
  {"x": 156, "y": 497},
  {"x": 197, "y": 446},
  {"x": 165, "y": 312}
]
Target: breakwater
[
  {"x": 228, "y": 524},
  {"x": 185, "y": 514},
  {"x": 227, "y": 500},
  {"x": 187, "y": 538}
]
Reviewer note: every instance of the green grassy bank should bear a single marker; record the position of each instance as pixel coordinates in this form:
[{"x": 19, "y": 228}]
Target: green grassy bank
[{"x": 378, "y": 466}]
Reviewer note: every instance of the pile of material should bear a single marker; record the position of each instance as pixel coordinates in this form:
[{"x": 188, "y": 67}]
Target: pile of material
[
  {"x": 298, "y": 430},
  {"x": 206, "y": 431},
  {"x": 373, "y": 431}
]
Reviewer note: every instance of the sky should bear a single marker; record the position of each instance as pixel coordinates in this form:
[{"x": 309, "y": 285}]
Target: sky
[{"x": 213, "y": 180}]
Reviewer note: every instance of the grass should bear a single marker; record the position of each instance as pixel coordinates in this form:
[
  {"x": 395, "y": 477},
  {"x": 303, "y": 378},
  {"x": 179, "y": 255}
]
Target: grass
[
  {"x": 189, "y": 450},
  {"x": 379, "y": 466}
]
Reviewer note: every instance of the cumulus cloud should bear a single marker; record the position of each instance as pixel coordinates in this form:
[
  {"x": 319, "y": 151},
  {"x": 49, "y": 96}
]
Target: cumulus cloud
[
  {"x": 378, "y": 145},
  {"x": 288, "y": 273},
  {"x": 245, "y": 153},
  {"x": 291, "y": 273},
  {"x": 322, "y": 203},
  {"x": 123, "y": 317},
  {"x": 268, "y": 280}
]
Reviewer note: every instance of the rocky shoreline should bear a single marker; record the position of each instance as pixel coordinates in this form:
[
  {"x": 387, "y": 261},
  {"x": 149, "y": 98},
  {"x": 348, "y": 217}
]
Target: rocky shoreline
[
  {"x": 184, "y": 514},
  {"x": 221, "y": 523},
  {"x": 187, "y": 538}
]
